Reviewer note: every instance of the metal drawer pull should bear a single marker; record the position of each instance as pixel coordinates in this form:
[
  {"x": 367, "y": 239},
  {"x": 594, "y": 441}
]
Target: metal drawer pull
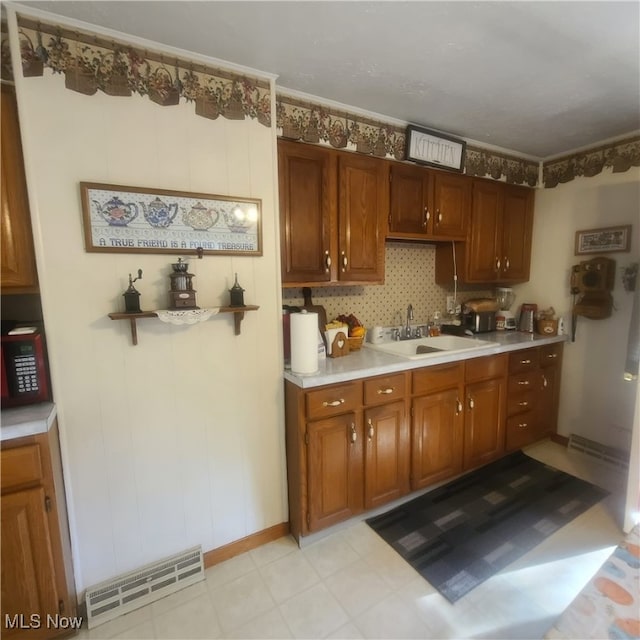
[
  {"x": 370, "y": 428},
  {"x": 427, "y": 216},
  {"x": 544, "y": 381},
  {"x": 523, "y": 382},
  {"x": 354, "y": 435},
  {"x": 458, "y": 407},
  {"x": 525, "y": 361},
  {"x": 524, "y": 403},
  {"x": 386, "y": 391},
  {"x": 333, "y": 403},
  {"x": 552, "y": 355},
  {"x": 439, "y": 216},
  {"x": 523, "y": 425},
  {"x": 472, "y": 404},
  {"x": 506, "y": 263},
  {"x": 344, "y": 261}
]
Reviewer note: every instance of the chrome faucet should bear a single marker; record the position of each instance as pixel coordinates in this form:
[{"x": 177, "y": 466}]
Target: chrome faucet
[{"x": 407, "y": 328}]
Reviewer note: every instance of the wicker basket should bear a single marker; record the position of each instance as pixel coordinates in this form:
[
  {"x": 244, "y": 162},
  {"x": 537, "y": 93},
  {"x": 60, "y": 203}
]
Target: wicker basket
[{"x": 355, "y": 343}]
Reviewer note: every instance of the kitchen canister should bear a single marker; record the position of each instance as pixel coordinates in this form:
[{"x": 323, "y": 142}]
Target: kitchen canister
[{"x": 304, "y": 342}]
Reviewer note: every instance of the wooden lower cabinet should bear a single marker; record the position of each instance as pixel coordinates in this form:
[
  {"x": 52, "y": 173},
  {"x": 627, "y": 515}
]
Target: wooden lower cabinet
[
  {"x": 37, "y": 576},
  {"x": 358, "y": 445}
]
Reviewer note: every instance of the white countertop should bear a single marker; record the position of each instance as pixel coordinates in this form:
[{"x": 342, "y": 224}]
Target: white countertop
[
  {"x": 369, "y": 362},
  {"x": 29, "y": 420}
]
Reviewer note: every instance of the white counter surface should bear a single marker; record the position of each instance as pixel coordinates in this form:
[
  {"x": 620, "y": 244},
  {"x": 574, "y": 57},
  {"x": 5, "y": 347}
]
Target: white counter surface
[
  {"x": 369, "y": 362},
  {"x": 27, "y": 421}
]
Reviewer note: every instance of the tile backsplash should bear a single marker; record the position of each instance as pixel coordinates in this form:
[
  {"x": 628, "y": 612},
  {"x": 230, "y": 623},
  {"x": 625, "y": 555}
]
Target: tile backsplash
[{"x": 409, "y": 278}]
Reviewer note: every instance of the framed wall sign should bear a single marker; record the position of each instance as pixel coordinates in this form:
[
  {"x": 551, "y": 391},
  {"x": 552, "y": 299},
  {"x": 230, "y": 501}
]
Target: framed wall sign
[
  {"x": 605, "y": 240},
  {"x": 138, "y": 220},
  {"x": 433, "y": 148}
]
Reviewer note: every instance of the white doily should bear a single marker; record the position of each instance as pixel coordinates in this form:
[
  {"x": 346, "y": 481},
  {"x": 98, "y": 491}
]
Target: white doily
[{"x": 186, "y": 316}]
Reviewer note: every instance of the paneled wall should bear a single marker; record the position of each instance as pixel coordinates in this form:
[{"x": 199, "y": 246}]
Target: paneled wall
[{"x": 177, "y": 441}]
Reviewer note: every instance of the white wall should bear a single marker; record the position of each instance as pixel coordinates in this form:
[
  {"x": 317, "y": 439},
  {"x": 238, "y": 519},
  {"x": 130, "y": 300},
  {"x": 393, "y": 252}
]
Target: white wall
[
  {"x": 178, "y": 441},
  {"x": 595, "y": 400}
]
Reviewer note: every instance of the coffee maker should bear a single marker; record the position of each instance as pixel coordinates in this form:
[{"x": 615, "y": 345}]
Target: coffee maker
[{"x": 505, "y": 298}]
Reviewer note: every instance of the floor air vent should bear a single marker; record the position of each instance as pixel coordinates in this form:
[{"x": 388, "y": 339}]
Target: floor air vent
[
  {"x": 611, "y": 455},
  {"x": 125, "y": 593}
]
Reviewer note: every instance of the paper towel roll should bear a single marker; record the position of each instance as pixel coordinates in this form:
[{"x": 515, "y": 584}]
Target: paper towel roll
[{"x": 304, "y": 342}]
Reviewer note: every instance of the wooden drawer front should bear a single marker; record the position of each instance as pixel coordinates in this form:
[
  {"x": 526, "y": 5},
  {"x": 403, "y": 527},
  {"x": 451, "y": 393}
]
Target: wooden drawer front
[
  {"x": 384, "y": 389},
  {"x": 523, "y": 382},
  {"x": 525, "y": 360},
  {"x": 334, "y": 400},
  {"x": 20, "y": 466},
  {"x": 486, "y": 368},
  {"x": 521, "y": 430},
  {"x": 551, "y": 354},
  {"x": 443, "y": 376},
  {"x": 519, "y": 402}
]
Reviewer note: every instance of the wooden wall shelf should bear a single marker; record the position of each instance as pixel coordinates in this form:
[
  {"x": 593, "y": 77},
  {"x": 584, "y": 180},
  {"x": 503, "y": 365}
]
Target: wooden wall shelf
[{"x": 238, "y": 313}]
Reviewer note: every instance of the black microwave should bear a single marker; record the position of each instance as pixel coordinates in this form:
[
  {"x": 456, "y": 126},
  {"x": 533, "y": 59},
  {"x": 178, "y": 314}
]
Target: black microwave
[{"x": 24, "y": 370}]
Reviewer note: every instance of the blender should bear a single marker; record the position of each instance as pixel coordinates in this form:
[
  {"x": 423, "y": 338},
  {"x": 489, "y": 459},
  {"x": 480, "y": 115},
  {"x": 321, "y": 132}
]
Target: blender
[{"x": 505, "y": 298}]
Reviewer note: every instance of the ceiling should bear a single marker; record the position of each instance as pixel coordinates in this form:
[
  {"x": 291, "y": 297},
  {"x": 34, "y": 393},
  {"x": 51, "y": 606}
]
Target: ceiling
[{"x": 537, "y": 78}]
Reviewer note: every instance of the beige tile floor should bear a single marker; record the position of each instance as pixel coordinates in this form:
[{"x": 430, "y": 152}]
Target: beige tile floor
[{"x": 351, "y": 584}]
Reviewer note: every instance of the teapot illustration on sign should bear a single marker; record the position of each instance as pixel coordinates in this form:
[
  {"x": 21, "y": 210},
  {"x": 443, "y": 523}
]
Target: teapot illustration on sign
[
  {"x": 199, "y": 217},
  {"x": 116, "y": 212},
  {"x": 158, "y": 214}
]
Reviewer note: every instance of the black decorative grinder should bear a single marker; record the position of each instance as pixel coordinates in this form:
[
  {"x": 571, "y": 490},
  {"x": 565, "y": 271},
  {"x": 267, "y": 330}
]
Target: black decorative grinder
[
  {"x": 182, "y": 294},
  {"x": 132, "y": 295},
  {"x": 236, "y": 295}
]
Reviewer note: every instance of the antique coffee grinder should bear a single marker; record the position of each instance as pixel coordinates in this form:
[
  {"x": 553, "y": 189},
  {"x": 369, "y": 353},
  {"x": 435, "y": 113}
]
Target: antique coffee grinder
[
  {"x": 132, "y": 295},
  {"x": 236, "y": 295},
  {"x": 182, "y": 295}
]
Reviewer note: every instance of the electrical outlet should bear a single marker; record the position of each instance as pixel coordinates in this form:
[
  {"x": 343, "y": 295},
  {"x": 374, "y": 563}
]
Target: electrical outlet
[{"x": 451, "y": 305}]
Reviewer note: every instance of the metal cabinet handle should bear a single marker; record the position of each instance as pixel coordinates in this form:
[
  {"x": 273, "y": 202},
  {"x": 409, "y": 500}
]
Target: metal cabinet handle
[
  {"x": 525, "y": 361},
  {"x": 370, "y": 428},
  {"x": 344, "y": 261},
  {"x": 427, "y": 217},
  {"x": 523, "y": 425},
  {"x": 439, "y": 216},
  {"x": 458, "y": 407},
  {"x": 506, "y": 263},
  {"x": 497, "y": 264},
  {"x": 327, "y": 261},
  {"x": 523, "y": 383},
  {"x": 545, "y": 382},
  {"x": 386, "y": 391},
  {"x": 552, "y": 356},
  {"x": 472, "y": 404},
  {"x": 524, "y": 403},
  {"x": 333, "y": 403},
  {"x": 354, "y": 435}
]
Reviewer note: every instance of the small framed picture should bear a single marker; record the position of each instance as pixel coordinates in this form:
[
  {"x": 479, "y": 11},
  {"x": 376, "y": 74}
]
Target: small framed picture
[
  {"x": 435, "y": 149},
  {"x": 605, "y": 240}
]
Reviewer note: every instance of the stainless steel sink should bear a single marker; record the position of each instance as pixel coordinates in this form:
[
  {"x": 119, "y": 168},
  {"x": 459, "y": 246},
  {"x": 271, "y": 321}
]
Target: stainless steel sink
[{"x": 428, "y": 347}]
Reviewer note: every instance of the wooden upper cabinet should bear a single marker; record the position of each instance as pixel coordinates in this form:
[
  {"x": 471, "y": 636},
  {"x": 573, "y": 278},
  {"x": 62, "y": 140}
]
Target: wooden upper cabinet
[
  {"x": 332, "y": 215},
  {"x": 498, "y": 248},
  {"x": 17, "y": 262},
  {"x": 517, "y": 226},
  {"x": 362, "y": 197},
  {"x": 409, "y": 201},
  {"x": 307, "y": 208},
  {"x": 428, "y": 205}
]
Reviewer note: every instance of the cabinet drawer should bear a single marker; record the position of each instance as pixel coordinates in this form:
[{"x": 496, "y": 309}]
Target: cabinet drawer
[
  {"x": 20, "y": 466},
  {"x": 521, "y": 430},
  {"x": 444, "y": 376},
  {"x": 523, "y": 382},
  {"x": 525, "y": 360},
  {"x": 384, "y": 389},
  {"x": 486, "y": 368},
  {"x": 334, "y": 400},
  {"x": 551, "y": 354},
  {"x": 519, "y": 402}
]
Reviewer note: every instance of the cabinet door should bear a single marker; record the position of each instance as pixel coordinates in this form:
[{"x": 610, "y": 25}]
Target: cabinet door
[
  {"x": 483, "y": 250},
  {"x": 386, "y": 454},
  {"x": 409, "y": 201},
  {"x": 307, "y": 211},
  {"x": 484, "y": 425},
  {"x": 436, "y": 437},
  {"x": 334, "y": 462},
  {"x": 28, "y": 586},
  {"x": 17, "y": 263},
  {"x": 362, "y": 206},
  {"x": 517, "y": 225},
  {"x": 452, "y": 199}
]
